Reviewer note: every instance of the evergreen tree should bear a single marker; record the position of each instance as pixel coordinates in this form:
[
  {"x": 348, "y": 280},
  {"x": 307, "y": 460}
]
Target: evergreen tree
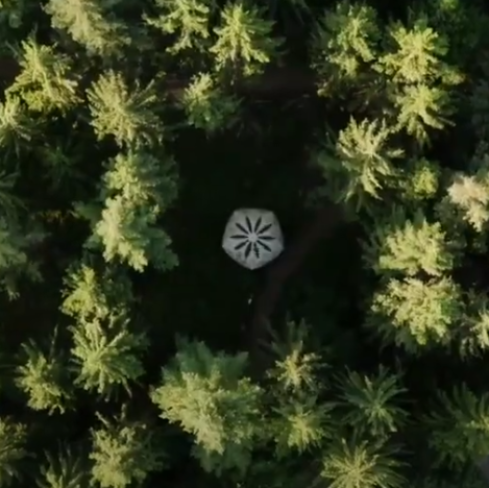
[
  {"x": 207, "y": 106},
  {"x": 458, "y": 426},
  {"x": 127, "y": 113},
  {"x": 94, "y": 297},
  {"x": 15, "y": 241},
  {"x": 245, "y": 43},
  {"x": 136, "y": 189},
  {"x": 65, "y": 469},
  {"x": 350, "y": 463},
  {"x": 359, "y": 165},
  {"x": 299, "y": 421},
  {"x": 369, "y": 403},
  {"x": 210, "y": 398},
  {"x": 124, "y": 452},
  {"x": 13, "y": 438},
  {"x": 415, "y": 314},
  {"x": 45, "y": 82},
  {"x": 344, "y": 44},
  {"x": 92, "y": 23},
  {"x": 107, "y": 356},
  {"x": 43, "y": 378},
  {"x": 185, "y": 20},
  {"x": 409, "y": 245}
]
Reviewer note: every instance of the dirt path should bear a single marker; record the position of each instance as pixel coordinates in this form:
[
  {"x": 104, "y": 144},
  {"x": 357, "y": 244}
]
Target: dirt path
[{"x": 322, "y": 225}]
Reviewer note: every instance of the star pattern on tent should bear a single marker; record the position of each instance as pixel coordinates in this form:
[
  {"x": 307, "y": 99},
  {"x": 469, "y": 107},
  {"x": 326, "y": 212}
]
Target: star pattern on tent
[{"x": 253, "y": 237}]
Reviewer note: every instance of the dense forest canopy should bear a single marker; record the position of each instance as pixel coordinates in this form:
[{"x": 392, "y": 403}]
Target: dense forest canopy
[{"x": 134, "y": 352}]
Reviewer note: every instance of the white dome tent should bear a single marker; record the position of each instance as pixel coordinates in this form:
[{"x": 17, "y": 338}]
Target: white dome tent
[{"x": 253, "y": 237}]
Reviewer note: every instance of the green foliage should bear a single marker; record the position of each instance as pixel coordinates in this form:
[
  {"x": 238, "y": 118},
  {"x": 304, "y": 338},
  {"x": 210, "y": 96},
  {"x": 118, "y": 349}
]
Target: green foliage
[
  {"x": 245, "y": 42},
  {"x": 15, "y": 242},
  {"x": 416, "y": 54},
  {"x": 408, "y": 245},
  {"x": 65, "y": 469},
  {"x": 124, "y": 452},
  {"x": 344, "y": 43},
  {"x": 296, "y": 363},
  {"x": 360, "y": 464},
  {"x": 299, "y": 420},
  {"x": 418, "y": 77},
  {"x": 209, "y": 397},
  {"x": 16, "y": 128},
  {"x": 300, "y": 424},
  {"x": 369, "y": 403},
  {"x": 9, "y": 202},
  {"x": 107, "y": 356},
  {"x": 207, "y": 106},
  {"x": 458, "y": 427},
  {"x": 359, "y": 165},
  {"x": 421, "y": 180},
  {"x": 43, "y": 378},
  {"x": 136, "y": 189},
  {"x": 92, "y": 297},
  {"x": 128, "y": 113},
  {"x": 187, "y": 20},
  {"x": 45, "y": 82},
  {"x": 91, "y": 23},
  {"x": 469, "y": 193},
  {"x": 415, "y": 314},
  {"x": 474, "y": 329},
  {"x": 13, "y": 437}
]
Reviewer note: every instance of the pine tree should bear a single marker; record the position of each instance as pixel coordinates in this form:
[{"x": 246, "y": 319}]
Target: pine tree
[
  {"x": 43, "y": 378},
  {"x": 90, "y": 296},
  {"x": 359, "y": 165},
  {"x": 468, "y": 193},
  {"x": 344, "y": 44},
  {"x": 186, "y": 20},
  {"x": 16, "y": 128},
  {"x": 91, "y": 23},
  {"x": 245, "y": 43},
  {"x": 207, "y": 106},
  {"x": 124, "y": 452},
  {"x": 458, "y": 427},
  {"x": 209, "y": 397},
  {"x": 369, "y": 404},
  {"x": 45, "y": 82},
  {"x": 63, "y": 469},
  {"x": 419, "y": 78},
  {"x": 107, "y": 356},
  {"x": 136, "y": 189},
  {"x": 415, "y": 314},
  {"x": 128, "y": 113},
  {"x": 299, "y": 421},
  {"x": 420, "y": 181},
  {"x": 408, "y": 245},
  {"x": 15, "y": 242},
  {"x": 13, "y": 437},
  {"x": 474, "y": 328},
  {"x": 350, "y": 463}
]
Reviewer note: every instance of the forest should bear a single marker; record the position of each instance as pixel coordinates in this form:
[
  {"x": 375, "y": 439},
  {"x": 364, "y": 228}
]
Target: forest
[{"x": 135, "y": 352}]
